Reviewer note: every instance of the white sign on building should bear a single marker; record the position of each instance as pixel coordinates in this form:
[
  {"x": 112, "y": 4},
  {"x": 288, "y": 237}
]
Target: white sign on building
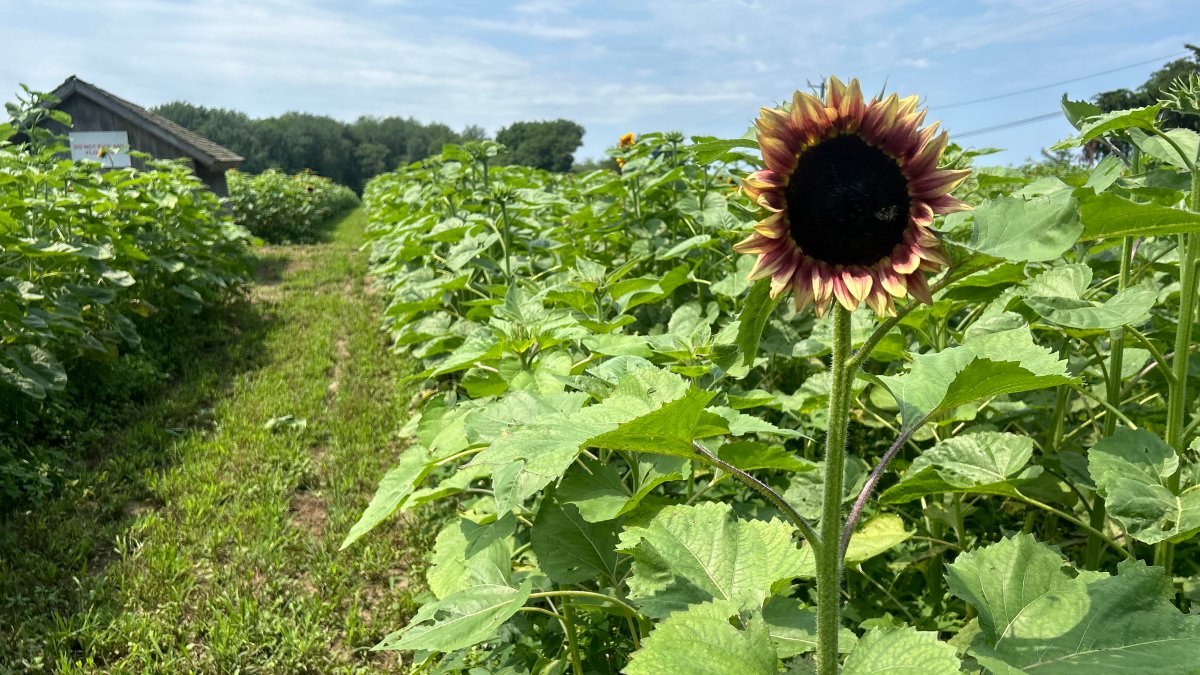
[{"x": 110, "y": 148}]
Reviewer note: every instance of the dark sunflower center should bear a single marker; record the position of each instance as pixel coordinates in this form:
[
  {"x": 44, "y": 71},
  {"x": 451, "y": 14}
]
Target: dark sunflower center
[{"x": 847, "y": 202}]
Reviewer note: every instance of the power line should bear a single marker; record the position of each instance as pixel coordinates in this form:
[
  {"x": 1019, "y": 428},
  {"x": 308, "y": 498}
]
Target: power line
[
  {"x": 1040, "y": 87},
  {"x": 1008, "y": 125}
]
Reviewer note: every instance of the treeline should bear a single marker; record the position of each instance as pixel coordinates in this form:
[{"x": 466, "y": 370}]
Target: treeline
[{"x": 352, "y": 153}]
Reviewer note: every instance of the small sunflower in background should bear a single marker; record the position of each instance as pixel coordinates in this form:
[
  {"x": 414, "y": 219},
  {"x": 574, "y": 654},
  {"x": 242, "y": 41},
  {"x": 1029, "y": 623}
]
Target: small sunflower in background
[
  {"x": 101, "y": 152},
  {"x": 851, "y": 188},
  {"x": 627, "y": 140}
]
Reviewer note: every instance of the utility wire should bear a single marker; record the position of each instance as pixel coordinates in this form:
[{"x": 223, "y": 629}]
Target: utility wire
[
  {"x": 1008, "y": 125},
  {"x": 957, "y": 104}
]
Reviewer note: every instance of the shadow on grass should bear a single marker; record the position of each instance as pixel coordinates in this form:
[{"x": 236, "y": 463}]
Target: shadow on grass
[{"x": 75, "y": 470}]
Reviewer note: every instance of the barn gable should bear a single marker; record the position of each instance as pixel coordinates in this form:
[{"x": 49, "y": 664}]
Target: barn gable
[{"x": 94, "y": 109}]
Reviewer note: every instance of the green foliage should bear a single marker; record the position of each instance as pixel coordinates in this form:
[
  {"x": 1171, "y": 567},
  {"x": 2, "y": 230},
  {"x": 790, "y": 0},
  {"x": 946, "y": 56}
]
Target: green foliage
[
  {"x": 1038, "y": 615},
  {"x": 287, "y": 209},
  {"x": 547, "y": 145},
  {"x": 85, "y": 253},
  {"x": 599, "y": 369}
]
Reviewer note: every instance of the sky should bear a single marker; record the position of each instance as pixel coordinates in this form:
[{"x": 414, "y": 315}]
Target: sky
[{"x": 698, "y": 66}]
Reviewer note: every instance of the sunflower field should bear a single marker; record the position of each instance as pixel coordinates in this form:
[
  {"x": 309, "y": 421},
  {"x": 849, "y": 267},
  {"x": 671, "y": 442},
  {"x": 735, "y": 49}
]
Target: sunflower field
[{"x": 831, "y": 396}]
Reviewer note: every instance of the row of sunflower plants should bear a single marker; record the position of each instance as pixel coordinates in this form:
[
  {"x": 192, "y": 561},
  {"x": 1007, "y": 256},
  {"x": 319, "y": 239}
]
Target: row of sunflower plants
[
  {"x": 281, "y": 209},
  {"x": 85, "y": 252},
  {"x": 657, "y": 465}
]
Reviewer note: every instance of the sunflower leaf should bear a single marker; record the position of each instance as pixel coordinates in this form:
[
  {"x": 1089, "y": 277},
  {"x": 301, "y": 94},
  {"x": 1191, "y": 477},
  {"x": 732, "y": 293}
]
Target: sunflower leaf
[
  {"x": 1131, "y": 469},
  {"x": 793, "y": 628},
  {"x": 1057, "y": 296},
  {"x": 461, "y": 620},
  {"x": 689, "y": 554},
  {"x": 1038, "y": 615},
  {"x": 902, "y": 651},
  {"x": 1108, "y": 216},
  {"x": 987, "y": 462},
  {"x": 985, "y": 365},
  {"x": 714, "y": 634},
  {"x": 1026, "y": 229},
  {"x": 570, "y": 549},
  {"x": 755, "y": 312}
]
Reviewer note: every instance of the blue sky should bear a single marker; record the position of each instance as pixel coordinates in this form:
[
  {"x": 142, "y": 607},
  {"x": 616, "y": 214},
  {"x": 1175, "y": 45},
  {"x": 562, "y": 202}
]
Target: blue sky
[{"x": 699, "y": 66}]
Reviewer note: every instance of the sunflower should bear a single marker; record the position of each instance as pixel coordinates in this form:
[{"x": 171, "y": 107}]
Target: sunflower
[
  {"x": 851, "y": 188},
  {"x": 627, "y": 140}
]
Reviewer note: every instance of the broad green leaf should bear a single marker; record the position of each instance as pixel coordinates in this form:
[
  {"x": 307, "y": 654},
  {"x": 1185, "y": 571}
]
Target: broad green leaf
[
  {"x": 901, "y": 651},
  {"x": 1077, "y": 112},
  {"x": 751, "y": 455},
  {"x": 1095, "y": 126},
  {"x": 666, "y": 431},
  {"x": 1157, "y": 147},
  {"x": 469, "y": 554},
  {"x": 32, "y": 370},
  {"x": 571, "y": 550},
  {"x": 1131, "y": 470},
  {"x": 876, "y": 537},
  {"x": 793, "y": 628},
  {"x": 985, "y": 365},
  {"x": 806, "y": 490},
  {"x": 539, "y": 451},
  {"x": 461, "y": 620},
  {"x": 1026, "y": 229},
  {"x": 1057, "y": 295},
  {"x": 1108, "y": 216},
  {"x": 705, "y": 153},
  {"x": 756, "y": 310},
  {"x": 707, "y": 639},
  {"x": 689, "y": 554},
  {"x": 1037, "y": 615},
  {"x": 603, "y": 494},
  {"x": 985, "y": 462},
  {"x": 394, "y": 489},
  {"x": 1105, "y": 174}
]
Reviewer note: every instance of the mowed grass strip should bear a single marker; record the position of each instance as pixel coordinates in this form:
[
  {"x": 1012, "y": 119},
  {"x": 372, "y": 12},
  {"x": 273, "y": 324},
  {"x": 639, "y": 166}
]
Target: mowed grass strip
[{"x": 202, "y": 541}]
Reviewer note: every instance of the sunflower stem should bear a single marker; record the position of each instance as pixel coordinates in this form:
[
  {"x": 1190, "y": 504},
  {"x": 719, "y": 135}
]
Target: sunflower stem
[
  {"x": 829, "y": 556},
  {"x": 1177, "y": 398}
]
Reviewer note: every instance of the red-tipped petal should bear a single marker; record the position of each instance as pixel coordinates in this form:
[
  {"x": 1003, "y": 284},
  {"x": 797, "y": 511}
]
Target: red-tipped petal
[
  {"x": 905, "y": 259},
  {"x": 919, "y": 289},
  {"x": 773, "y": 226},
  {"x": 774, "y": 122},
  {"x": 771, "y": 201},
  {"x": 948, "y": 204},
  {"x": 756, "y": 243},
  {"x": 768, "y": 263},
  {"x": 926, "y": 159},
  {"x": 808, "y": 115},
  {"x": 937, "y": 183},
  {"x": 764, "y": 179},
  {"x": 779, "y": 155},
  {"x": 935, "y": 255},
  {"x": 881, "y": 304},
  {"x": 921, "y": 214},
  {"x": 821, "y": 279},
  {"x": 801, "y": 292},
  {"x": 844, "y": 297},
  {"x": 858, "y": 281},
  {"x": 852, "y": 107},
  {"x": 782, "y": 278},
  {"x": 890, "y": 281}
]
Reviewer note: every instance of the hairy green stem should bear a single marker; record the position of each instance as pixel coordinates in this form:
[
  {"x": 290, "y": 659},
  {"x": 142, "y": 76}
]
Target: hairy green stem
[
  {"x": 829, "y": 556},
  {"x": 572, "y": 638},
  {"x": 801, "y": 523},
  {"x": 1177, "y": 398},
  {"x": 1116, "y": 355}
]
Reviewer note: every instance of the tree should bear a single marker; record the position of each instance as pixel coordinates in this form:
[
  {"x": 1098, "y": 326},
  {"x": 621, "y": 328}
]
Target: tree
[
  {"x": 1152, "y": 90},
  {"x": 543, "y": 145}
]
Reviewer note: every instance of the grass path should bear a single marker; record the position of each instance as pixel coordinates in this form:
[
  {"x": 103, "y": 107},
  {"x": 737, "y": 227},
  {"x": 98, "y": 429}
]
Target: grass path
[{"x": 197, "y": 540}]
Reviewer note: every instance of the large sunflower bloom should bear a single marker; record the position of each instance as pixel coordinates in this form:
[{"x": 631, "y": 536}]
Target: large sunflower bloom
[{"x": 851, "y": 188}]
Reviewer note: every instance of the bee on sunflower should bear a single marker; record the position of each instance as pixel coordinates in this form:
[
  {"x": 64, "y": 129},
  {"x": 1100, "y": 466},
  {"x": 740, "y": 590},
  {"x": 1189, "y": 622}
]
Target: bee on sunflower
[{"x": 850, "y": 189}]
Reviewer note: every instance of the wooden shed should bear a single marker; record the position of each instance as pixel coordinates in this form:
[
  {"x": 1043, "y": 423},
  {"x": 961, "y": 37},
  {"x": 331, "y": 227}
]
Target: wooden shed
[{"x": 98, "y": 114}]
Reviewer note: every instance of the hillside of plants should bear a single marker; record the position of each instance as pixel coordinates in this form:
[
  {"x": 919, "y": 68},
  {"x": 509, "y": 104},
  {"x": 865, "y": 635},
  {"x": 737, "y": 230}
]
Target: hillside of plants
[{"x": 978, "y": 453}]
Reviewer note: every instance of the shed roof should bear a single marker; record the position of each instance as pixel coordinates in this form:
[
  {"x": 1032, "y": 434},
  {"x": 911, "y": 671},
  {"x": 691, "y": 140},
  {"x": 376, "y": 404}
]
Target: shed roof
[{"x": 202, "y": 150}]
